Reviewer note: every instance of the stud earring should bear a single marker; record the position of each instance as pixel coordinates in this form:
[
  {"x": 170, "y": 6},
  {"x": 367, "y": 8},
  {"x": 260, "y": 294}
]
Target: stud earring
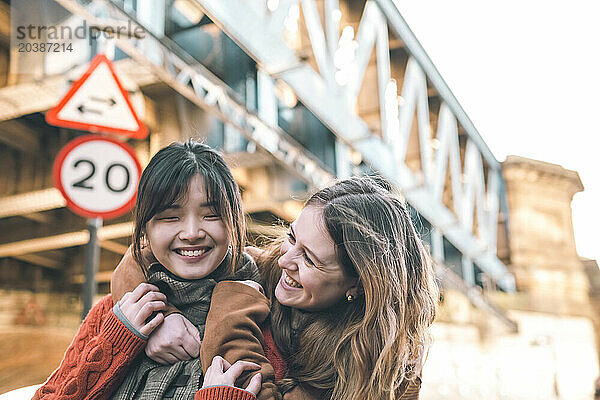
[{"x": 350, "y": 298}]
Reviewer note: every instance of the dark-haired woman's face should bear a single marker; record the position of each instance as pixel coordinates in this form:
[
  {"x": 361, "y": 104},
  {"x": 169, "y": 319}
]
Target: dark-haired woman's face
[
  {"x": 189, "y": 238},
  {"x": 312, "y": 277}
]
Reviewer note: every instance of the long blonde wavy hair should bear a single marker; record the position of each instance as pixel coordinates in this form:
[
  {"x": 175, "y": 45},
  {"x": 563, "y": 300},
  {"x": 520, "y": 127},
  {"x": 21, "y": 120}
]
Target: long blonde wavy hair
[{"x": 370, "y": 348}]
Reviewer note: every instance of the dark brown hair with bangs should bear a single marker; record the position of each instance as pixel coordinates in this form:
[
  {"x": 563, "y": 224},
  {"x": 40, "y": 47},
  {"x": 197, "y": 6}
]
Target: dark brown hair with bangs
[{"x": 166, "y": 180}]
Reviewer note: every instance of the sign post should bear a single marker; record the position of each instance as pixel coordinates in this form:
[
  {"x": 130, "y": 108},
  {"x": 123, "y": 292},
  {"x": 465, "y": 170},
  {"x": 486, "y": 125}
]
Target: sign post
[
  {"x": 98, "y": 178},
  {"x": 90, "y": 266}
]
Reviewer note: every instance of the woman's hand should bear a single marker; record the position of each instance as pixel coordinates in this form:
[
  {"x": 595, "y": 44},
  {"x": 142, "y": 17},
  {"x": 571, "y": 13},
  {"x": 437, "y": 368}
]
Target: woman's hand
[
  {"x": 221, "y": 373},
  {"x": 139, "y": 305},
  {"x": 177, "y": 339}
]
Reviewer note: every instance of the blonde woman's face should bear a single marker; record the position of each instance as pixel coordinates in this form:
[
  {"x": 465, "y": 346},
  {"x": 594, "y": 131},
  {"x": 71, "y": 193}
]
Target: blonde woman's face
[{"x": 312, "y": 278}]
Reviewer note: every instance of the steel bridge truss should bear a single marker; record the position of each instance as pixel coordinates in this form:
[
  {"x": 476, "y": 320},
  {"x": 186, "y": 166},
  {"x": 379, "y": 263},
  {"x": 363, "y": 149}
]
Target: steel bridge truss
[{"x": 260, "y": 32}]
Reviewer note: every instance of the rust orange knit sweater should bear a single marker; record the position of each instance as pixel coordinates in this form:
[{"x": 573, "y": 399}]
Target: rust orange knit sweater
[{"x": 96, "y": 361}]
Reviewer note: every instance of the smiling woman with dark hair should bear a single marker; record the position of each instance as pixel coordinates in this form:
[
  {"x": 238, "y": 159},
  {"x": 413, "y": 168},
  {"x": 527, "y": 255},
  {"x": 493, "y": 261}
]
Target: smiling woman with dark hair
[{"x": 189, "y": 218}]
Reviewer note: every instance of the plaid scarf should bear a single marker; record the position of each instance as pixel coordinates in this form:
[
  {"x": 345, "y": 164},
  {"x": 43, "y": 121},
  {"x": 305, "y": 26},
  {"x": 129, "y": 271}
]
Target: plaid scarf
[{"x": 148, "y": 379}]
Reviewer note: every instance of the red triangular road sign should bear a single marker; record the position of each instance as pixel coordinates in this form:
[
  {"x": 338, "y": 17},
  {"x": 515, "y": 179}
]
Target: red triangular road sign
[{"x": 97, "y": 102}]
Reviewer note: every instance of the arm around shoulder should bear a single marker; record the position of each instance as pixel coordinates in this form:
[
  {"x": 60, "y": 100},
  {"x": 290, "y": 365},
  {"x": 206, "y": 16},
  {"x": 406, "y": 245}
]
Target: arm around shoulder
[
  {"x": 233, "y": 331},
  {"x": 233, "y": 324}
]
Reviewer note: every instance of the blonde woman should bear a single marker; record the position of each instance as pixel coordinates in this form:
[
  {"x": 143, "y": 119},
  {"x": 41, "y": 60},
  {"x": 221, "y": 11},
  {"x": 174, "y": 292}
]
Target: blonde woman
[{"x": 352, "y": 294}]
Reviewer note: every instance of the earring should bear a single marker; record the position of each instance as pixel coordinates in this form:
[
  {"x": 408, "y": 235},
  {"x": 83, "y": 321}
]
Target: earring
[{"x": 350, "y": 298}]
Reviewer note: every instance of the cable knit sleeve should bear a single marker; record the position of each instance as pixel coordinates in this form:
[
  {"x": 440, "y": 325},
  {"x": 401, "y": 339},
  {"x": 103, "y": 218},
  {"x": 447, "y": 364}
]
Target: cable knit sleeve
[
  {"x": 223, "y": 393},
  {"x": 96, "y": 361}
]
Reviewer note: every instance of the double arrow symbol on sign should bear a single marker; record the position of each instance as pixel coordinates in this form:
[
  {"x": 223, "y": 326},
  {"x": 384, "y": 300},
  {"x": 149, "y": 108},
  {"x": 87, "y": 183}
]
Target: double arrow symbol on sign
[{"x": 110, "y": 101}]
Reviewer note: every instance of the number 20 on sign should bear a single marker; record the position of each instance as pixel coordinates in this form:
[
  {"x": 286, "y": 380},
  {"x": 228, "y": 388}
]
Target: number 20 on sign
[{"x": 98, "y": 176}]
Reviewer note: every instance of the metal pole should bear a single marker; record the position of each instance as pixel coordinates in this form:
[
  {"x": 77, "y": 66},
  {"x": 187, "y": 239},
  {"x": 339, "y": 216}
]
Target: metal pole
[{"x": 90, "y": 268}]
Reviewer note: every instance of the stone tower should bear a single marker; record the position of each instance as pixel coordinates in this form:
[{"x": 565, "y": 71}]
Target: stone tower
[{"x": 543, "y": 256}]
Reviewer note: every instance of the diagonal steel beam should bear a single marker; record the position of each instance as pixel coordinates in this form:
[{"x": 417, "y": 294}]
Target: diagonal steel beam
[
  {"x": 266, "y": 46},
  {"x": 115, "y": 247},
  {"x": 31, "y": 202},
  {"x": 403, "y": 31},
  {"x": 193, "y": 81},
  {"x": 101, "y": 277},
  {"x": 42, "y": 261},
  {"x": 451, "y": 280},
  {"x": 77, "y": 238}
]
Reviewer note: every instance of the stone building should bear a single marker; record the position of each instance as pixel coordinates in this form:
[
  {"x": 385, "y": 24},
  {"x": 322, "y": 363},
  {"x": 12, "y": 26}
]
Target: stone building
[
  {"x": 543, "y": 257},
  {"x": 593, "y": 273},
  {"x": 554, "y": 352}
]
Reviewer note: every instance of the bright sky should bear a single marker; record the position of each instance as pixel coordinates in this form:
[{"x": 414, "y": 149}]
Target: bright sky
[{"x": 528, "y": 75}]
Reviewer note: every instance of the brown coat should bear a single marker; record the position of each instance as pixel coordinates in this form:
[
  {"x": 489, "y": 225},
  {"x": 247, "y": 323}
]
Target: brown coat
[
  {"x": 232, "y": 326},
  {"x": 233, "y": 329}
]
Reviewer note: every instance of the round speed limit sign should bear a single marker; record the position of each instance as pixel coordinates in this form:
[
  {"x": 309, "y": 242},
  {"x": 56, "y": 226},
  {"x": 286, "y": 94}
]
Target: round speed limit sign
[{"x": 98, "y": 176}]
